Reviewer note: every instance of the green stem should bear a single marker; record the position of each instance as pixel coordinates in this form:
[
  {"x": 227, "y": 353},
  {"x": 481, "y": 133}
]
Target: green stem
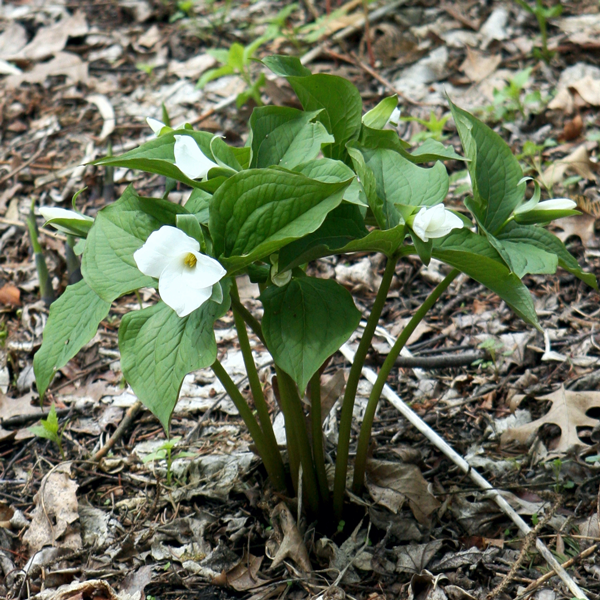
[
  {"x": 317, "y": 436},
  {"x": 365, "y": 429},
  {"x": 46, "y": 291},
  {"x": 255, "y": 386},
  {"x": 295, "y": 423},
  {"x": 247, "y": 316},
  {"x": 269, "y": 458},
  {"x": 73, "y": 266},
  {"x": 341, "y": 464}
]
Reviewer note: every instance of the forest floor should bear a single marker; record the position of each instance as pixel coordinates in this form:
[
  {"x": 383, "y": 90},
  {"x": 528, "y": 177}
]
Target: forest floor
[{"x": 520, "y": 406}]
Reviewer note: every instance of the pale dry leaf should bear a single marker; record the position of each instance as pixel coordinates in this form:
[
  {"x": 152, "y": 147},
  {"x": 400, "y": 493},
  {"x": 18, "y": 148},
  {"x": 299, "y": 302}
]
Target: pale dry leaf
[
  {"x": 581, "y": 29},
  {"x": 92, "y": 588},
  {"x": 244, "y": 576},
  {"x": 582, "y": 226},
  {"x": 401, "y": 481},
  {"x": 12, "y": 407},
  {"x": 477, "y": 66},
  {"x": 292, "y": 545},
  {"x": 64, "y": 63},
  {"x": 565, "y": 100},
  {"x": 51, "y": 40},
  {"x": 568, "y": 411},
  {"x": 106, "y": 111},
  {"x": 55, "y": 512},
  {"x": 12, "y": 40},
  {"x": 577, "y": 162},
  {"x": 192, "y": 68},
  {"x": 331, "y": 390},
  {"x": 589, "y": 89},
  {"x": 495, "y": 28}
]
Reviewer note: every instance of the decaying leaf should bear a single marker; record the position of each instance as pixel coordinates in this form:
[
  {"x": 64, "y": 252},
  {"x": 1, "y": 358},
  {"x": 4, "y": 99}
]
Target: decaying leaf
[
  {"x": 390, "y": 484},
  {"x": 12, "y": 407},
  {"x": 583, "y": 226},
  {"x": 292, "y": 546},
  {"x": 244, "y": 576},
  {"x": 577, "y": 162},
  {"x": 568, "y": 412},
  {"x": 55, "y": 512},
  {"x": 477, "y": 66}
]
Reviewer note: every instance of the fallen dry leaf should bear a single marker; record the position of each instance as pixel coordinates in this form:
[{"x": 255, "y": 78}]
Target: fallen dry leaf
[
  {"x": 12, "y": 407},
  {"x": 390, "y": 483},
  {"x": 55, "y": 512},
  {"x": 106, "y": 111},
  {"x": 568, "y": 411},
  {"x": 64, "y": 63},
  {"x": 244, "y": 576},
  {"x": 292, "y": 545},
  {"x": 583, "y": 226},
  {"x": 578, "y": 161},
  {"x": 478, "y": 66},
  {"x": 10, "y": 295}
]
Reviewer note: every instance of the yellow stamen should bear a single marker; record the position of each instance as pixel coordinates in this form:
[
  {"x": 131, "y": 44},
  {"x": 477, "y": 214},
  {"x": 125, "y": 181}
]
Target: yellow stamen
[{"x": 190, "y": 260}]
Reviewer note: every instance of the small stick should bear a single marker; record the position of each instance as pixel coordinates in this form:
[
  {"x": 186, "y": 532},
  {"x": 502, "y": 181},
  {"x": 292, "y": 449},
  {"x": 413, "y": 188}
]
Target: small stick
[
  {"x": 458, "y": 460},
  {"x": 130, "y": 415}
]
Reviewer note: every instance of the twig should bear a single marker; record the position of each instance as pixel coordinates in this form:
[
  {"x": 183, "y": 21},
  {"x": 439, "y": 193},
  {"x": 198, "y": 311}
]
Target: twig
[
  {"x": 440, "y": 361},
  {"x": 569, "y": 563},
  {"x": 483, "y": 483},
  {"x": 130, "y": 415},
  {"x": 20, "y": 420},
  {"x": 24, "y": 165},
  {"x": 527, "y": 543}
]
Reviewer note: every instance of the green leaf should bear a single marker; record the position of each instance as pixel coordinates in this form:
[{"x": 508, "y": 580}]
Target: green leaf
[
  {"x": 342, "y": 225},
  {"x": 190, "y": 225},
  {"x": 211, "y": 74},
  {"x": 532, "y": 217},
  {"x": 76, "y": 227},
  {"x": 257, "y": 212},
  {"x": 378, "y": 116},
  {"x": 157, "y": 156},
  {"x": 473, "y": 255},
  {"x": 431, "y": 150},
  {"x": 285, "y": 66},
  {"x": 423, "y": 248},
  {"x": 548, "y": 242},
  {"x": 291, "y": 142},
  {"x": 342, "y": 104},
  {"x": 235, "y": 57},
  {"x": 48, "y": 427},
  {"x": 305, "y": 322},
  {"x": 523, "y": 258},
  {"x": 119, "y": 230},
  {"x": 72, "y": 323},
  {"x": 198, "y": 205},
  {"x": 158, "y": 349},
  {"x": 495, "y": 172}
]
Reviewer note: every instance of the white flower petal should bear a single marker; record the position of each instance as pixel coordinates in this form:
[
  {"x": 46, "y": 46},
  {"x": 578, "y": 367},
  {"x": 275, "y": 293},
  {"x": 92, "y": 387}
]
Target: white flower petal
[
  {"x": 556, "y": 204},
  {"x": 189, "y": 159},
  {"x": 161, "y": 248},
  {"x": 175, "y": 292},
  {"x": 206, "y": 272},
  {"x": 435, "y": 222},
  {"x": 53, "y": 212},
  {"x": 155, "y": 124},
  {"x": 395, "y": 116}
]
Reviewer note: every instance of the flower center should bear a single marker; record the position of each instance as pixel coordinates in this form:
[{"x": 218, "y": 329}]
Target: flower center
[{"x": 190, "y": 260}]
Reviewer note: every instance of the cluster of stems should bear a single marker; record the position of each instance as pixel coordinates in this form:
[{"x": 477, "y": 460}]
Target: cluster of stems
[{"x": 305, "y": 452}]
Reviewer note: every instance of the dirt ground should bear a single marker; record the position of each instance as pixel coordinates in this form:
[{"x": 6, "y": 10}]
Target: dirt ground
[{"x": 77, "y": 80}]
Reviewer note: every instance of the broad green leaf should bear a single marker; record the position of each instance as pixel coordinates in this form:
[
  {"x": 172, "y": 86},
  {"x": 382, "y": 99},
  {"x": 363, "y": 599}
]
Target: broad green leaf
[
  {"x": 342, "y": 225},
  {"x": 157, "y": 156},
  {"x": 432, "y": 150},
  {"x": 342, "y": 104},
  {"x": 119, "y": 230},
  {"x": 523, "y": 258},
  {"x": 285, "y": 66},
  {"x": 198, "y": 205},
  {"x": 378, "y": 116},
  {"x": 305, "y": 322},
  {"x": 495, "y": 172},
  {"x": 77, "y": 227},
  {"x": 473, "y": 255},
  {"x": 379, "y": 139},
  {"x": 257, "y": 212},
  {"x": 367, "y": 178},
  {"x": 158, "y": 349},
  {"x": 330, "y": 171},
  {"x": 224, "y": 155},
  {"x": 72, "y": 323},
  {"x": 544, "y": 240},
  {"x": 289, "y": 144}
]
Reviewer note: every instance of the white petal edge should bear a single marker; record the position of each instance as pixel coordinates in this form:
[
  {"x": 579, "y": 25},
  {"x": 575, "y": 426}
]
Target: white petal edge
[
  {"x": 556, "y": 204},
  {"x": 189, "y": 159},
  {"x": 205, "y": 273},
  {"x": 155, "y": 124},
  {"x": 180, "y": 297},
  {"x": 53, "y": 212},
  {"x": 161, "y": 248}
]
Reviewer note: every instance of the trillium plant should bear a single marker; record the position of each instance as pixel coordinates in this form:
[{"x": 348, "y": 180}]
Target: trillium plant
[{"x": 323, "y": 181}]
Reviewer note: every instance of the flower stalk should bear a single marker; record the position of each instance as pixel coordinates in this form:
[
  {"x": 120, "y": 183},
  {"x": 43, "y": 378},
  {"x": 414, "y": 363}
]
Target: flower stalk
[{"x": 367, "y": 423}]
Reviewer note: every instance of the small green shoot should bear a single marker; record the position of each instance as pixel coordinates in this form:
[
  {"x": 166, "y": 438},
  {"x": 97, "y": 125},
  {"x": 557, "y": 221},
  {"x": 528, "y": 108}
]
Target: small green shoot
[
  {"x": 236, "y": 61},
  {"x": 434, "y": 128},
  {"x": 542, "y": 14},
  {"x": 511, "y": 100},
  {"x": 49, "y": 430},
  {"x": 165, "y": 452}
]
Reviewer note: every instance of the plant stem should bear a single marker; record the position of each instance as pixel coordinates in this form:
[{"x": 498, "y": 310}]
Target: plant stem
[
  {"x": 295, "y": 422},
  {"x": 317, "y": 436},
  {"x": 73, "y": 266},
  {"x": 46, "y": 291},
  {"x": 365, "y": 429},
  {"x": 255, "y": 386},
  {"x": 341, "y": 463},
  {"x": 276, "y": 474},
  {"x": 247, "y": 316}
]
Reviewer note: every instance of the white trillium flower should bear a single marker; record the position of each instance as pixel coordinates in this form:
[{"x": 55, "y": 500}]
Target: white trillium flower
[
  {"x": 190, "y": 160},
  {"x": 155, "y": 125},
  {"x": 395, "y": 117},
  {"x": 556, "y": 204},
  {"x": 54, "y": 212},
  {"x": 185, "y": 276},
  {"x": 435, "y": 222}
]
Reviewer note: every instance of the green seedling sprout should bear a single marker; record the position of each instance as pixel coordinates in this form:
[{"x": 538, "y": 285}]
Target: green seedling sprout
[
  {"x": 49, "y": 430},
  {"x": 542, "y": 14},
  {"x": 165, "y": 452}
]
